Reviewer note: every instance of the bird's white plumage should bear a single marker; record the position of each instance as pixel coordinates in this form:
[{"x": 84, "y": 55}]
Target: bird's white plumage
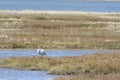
[{"x": 41, "y": 52}]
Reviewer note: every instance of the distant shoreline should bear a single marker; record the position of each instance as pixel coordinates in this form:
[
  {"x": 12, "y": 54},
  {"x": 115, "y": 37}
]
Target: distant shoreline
[{"x": 55, "y": 12}]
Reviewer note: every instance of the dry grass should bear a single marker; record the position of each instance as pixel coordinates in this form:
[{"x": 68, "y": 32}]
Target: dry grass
[
  {"x": 99, "y": 63},
  {"x": 91, "y": 77},
  {"x": 99, "y": 66},
  {"x": 59, "y": 29}
]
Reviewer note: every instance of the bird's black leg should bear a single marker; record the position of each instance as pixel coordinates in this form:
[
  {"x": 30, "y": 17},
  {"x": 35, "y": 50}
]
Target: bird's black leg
[{"x": 41, "y": 56}]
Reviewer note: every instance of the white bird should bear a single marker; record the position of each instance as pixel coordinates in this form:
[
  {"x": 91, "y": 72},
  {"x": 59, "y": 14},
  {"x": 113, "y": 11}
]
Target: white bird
[{"x": 41, "y": 52}]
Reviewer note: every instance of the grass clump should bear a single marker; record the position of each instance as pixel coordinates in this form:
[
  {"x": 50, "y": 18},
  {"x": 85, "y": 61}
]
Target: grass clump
[{"x": 104, "y": 63}]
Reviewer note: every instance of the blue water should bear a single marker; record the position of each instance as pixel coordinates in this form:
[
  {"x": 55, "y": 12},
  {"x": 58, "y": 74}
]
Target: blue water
[
  {"x": 50, "y": 53},
  {"x": 70, "y": 5},
  {"x": 14, "y": 74}
]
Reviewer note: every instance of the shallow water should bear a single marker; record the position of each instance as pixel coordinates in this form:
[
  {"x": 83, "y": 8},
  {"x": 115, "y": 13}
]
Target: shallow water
[
  {"x": 13, "y": 74},
  {"x": 50, "y": 53},
  {"x": 74, "y": 5}
]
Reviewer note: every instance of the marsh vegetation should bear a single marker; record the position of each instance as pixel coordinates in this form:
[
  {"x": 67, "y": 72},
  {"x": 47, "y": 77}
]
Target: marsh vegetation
[
  {"x": 92, "y": 66},
  {"x": 63, "y": 30},
  {"x": 59, "y": 29}
]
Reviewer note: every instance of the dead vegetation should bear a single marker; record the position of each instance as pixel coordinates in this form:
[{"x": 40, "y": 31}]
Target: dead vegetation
[
  {"x": 99, "y": 66},
  {"x": 59, "y": 29}
]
